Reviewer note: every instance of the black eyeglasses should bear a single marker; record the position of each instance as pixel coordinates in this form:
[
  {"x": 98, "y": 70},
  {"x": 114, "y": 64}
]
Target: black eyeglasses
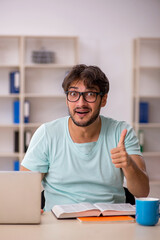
[{"x": 91, "y": 97}]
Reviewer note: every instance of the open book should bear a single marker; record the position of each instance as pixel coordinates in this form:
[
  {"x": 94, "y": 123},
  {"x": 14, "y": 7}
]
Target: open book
[{"x": 85, "y": 209}]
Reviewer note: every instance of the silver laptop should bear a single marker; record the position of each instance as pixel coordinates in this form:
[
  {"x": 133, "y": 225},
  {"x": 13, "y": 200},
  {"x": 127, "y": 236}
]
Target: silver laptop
[{"x": 20, "y": 197}]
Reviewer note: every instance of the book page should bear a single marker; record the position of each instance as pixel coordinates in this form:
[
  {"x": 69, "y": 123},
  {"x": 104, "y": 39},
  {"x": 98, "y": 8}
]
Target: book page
[
  {"x": 78, "y": 207},
  {"x": 120, "y": 207}
]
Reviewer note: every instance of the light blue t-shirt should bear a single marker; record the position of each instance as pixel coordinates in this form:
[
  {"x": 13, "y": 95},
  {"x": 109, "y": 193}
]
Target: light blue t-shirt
[{"x": 79, "y": 172}]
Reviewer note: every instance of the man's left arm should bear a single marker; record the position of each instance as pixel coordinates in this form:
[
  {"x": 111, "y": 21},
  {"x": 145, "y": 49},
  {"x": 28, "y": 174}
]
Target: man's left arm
[{"x": 133, "y": 167}]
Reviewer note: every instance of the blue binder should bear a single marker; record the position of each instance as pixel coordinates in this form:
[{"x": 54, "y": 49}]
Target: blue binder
[
  {"x": 143, "y": 112},
  {"x": 16, "y": 165},
  {"x": 16, "y": 111},
  {"x": 26, "y": 111},
  {"x": 14, "y": 82}
]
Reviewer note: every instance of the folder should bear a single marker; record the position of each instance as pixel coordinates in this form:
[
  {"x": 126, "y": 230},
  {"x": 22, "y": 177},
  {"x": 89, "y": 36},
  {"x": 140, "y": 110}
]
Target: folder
[
  {"x": 26, "y": 111},
  {"x": 16, "y": 111},
  {"x": 14, "y": 82},
  {"x": 16, "y": 165},
  {"x": 16, "y": 141},
  {"x": 143, "y": 112},
  {"x": 27, "y": 138}
]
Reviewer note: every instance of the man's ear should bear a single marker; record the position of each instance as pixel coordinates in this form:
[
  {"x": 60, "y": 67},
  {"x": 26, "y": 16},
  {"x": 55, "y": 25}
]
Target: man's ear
[{"x": 104, "y": 100}]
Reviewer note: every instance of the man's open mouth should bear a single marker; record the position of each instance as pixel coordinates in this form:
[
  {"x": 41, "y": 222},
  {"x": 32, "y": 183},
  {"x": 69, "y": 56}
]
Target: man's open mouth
[
  {"x": 82, "y": 111},
  {"x": 85, "y": 112}
]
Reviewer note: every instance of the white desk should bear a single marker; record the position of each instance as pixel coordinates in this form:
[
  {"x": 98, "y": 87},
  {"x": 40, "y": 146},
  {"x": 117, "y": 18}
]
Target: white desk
[{"x": 53, "y": 229}]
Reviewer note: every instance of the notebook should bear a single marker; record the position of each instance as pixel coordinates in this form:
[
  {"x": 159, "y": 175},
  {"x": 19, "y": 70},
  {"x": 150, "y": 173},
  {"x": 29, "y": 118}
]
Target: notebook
[
  {"x": 20, "y": 197},
  {"x": 107, "y": 219}
]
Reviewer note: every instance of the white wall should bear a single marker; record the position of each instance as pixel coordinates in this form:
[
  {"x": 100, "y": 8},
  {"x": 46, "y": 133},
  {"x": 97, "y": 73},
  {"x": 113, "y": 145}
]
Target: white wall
[{"x": 106, "y": 29}]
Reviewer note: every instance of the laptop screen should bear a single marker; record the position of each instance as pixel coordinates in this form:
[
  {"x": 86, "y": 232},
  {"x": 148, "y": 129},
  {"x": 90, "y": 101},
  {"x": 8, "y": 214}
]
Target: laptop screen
[{"x": 20, "y": 200}]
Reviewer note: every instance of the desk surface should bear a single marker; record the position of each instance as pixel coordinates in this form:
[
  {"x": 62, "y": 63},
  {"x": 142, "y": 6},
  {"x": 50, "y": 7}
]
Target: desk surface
[{"x": 53, "y": 229}]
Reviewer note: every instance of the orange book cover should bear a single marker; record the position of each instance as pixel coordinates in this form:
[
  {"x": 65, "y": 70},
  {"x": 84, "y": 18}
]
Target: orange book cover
[{"x": 107, "y": 219}]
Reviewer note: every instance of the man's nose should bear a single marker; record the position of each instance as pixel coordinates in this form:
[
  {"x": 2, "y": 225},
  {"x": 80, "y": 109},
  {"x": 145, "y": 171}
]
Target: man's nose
[{"x": 81, "y": 100}]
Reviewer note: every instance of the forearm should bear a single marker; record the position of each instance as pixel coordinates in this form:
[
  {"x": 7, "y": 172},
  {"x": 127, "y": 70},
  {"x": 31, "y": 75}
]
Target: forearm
[
  {"x": 137, "y": 179},
  {"x": 26, "y": 169}
]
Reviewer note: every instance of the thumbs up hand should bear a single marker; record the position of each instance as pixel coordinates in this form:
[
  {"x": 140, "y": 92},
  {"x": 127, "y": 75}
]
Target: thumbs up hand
[{"x": 119, "y": 156}]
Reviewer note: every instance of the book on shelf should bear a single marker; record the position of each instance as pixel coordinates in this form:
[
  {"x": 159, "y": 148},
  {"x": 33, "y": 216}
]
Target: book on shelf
[
  {"x": 86, "y": 209},
  {"x": 143, "y": 112},
  {"x": 14, "y": 82},
  {"x": 16, "y": 141},
  {"x": 16, "y": 111},
  {"x": 27, "y": 138},
  {"x": 16, "y": 165},
  {"x": 26, "y": 111},
  {"x": 106, "y": 219}
]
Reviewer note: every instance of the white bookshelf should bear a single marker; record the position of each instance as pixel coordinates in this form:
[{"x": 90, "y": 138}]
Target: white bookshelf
[
  {"x": 146, "y": 88},
  {"x": 40, "y": 84}
]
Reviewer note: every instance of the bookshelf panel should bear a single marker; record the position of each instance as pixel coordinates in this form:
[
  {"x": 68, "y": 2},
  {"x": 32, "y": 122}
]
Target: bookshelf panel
[
  {"x": 44, "y": 110},
  {"x": 62, "y": 47},
  {"x": 149, "y": 84},
  {"x": 149, "y": 52},
  {"x": 8, "y": 163},
  {"x": 9, "y": 51},
  {"x": 153, "y": 166},
  {"x": 7, "y": 117},
  {"x": 153, "y": 109},
  {"x": 5, "y": 79},
  {"x": 7, "y": 136},
  {"x": 44, "y": 81},
  {"x": 151, "y": 136}
]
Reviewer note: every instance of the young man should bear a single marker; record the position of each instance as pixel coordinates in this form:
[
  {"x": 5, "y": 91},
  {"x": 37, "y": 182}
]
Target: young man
[{"x": 84, "y": 157}]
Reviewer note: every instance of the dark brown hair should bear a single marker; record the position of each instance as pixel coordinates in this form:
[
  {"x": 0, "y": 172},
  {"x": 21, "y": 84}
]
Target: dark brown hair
[{"x": 90, "y": 75}]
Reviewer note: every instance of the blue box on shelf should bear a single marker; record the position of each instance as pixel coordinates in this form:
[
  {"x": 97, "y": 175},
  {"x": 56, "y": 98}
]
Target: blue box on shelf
[
  {"x": 16, "y": 111},
  {"x": 16, "y": 165},
  {"x": 143, "y": 112},
  {"x": 14, "y": 82}
]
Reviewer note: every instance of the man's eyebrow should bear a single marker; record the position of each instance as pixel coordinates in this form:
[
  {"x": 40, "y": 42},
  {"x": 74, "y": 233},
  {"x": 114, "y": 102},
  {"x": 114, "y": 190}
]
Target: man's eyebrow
[
  {"x": 90, "y": 88},
  {"x": 73, "y": 87}
]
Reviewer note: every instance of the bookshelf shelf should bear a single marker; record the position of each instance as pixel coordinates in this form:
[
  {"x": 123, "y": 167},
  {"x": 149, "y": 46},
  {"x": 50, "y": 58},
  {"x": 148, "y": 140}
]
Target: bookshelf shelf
[
  {"x": 39, "y": 66},
  {"x": 151, "y": 154},
  {"x": 44, "y": 96},
  {"x": 149, "y": 125},
  {"x": 146, "y": 89},
  {"x": 9, "y": 66},
  {"x": 10, "y": 96},
  {"x": 149, "y": 97},
  {"x": 39, "y": 84},
  {"x": 15, "y": 126},
  {"x": 147, "y": 68},
  {"x": 32, "y": 125},
  {"x": 8, "y": 154}
]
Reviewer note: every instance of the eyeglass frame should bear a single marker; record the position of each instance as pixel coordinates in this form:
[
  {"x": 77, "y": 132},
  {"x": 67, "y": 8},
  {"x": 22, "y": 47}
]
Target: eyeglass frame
[{"x": 82, "y": 94}]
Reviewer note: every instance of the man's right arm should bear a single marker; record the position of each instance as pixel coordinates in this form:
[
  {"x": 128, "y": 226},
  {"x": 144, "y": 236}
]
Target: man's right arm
[{"x": 26, "y": 169}]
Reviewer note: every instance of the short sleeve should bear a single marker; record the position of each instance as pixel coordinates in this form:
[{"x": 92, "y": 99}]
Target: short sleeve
[{"x": 36, "y": 157}]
